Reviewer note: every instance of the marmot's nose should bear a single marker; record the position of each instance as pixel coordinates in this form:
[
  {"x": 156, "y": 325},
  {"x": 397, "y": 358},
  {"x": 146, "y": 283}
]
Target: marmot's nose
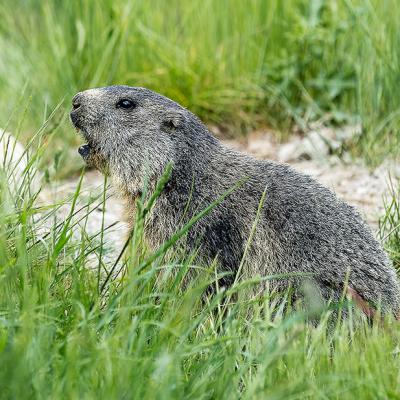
[{"x": 77, "y": 101}]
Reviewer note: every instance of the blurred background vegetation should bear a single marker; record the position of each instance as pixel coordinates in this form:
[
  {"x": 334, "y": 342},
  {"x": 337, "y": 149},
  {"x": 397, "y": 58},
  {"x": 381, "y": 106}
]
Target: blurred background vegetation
[{"x": 238, "y": 64}]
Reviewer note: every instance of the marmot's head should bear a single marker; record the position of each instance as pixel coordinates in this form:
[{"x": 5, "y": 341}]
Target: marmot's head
[{"x": 130, "y": 132}]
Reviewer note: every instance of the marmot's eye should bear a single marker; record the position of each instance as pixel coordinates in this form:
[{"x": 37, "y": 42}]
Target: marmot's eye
[{"x": 126, "y": 103}]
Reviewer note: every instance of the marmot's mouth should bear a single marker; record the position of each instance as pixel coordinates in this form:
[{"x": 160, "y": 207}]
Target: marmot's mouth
[{"x": 87, "y": 148}]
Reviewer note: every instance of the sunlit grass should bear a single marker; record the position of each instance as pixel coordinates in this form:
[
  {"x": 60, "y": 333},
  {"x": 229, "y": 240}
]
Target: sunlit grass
[{"x": 75, "y": 325}]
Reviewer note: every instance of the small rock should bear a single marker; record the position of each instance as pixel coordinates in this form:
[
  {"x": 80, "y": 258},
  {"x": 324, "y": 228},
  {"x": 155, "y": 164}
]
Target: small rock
[{"x": 317, "y": 144}]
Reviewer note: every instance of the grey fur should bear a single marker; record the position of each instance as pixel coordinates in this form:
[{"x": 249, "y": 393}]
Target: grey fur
[{"x": 303, "y": 226}]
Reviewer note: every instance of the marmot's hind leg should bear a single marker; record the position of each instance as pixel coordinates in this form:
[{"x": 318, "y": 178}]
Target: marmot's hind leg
[
  {"x": 361, "y": 303},
  {"x": 336, "y": 297}
]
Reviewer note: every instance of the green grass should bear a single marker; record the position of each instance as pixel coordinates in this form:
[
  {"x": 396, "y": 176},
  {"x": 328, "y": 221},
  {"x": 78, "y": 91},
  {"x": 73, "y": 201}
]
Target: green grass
[
  {"x": 65, "y": 331},
  {"x": 389, "y": 224},
  {"x": 144, "y": 334},
  {"x": 238, "y": 64}
]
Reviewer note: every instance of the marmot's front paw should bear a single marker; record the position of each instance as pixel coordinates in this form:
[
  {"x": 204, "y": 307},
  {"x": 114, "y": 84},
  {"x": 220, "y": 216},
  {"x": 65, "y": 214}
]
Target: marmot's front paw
[{"x": 84, "y": 151}]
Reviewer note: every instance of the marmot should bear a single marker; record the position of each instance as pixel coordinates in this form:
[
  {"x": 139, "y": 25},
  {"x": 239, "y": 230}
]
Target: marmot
[{"x": 133, "y": 133}]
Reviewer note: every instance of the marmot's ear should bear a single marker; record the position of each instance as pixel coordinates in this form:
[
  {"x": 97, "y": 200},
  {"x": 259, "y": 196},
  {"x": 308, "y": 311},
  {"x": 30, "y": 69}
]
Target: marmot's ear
[{"x": 172, "y": 121}]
